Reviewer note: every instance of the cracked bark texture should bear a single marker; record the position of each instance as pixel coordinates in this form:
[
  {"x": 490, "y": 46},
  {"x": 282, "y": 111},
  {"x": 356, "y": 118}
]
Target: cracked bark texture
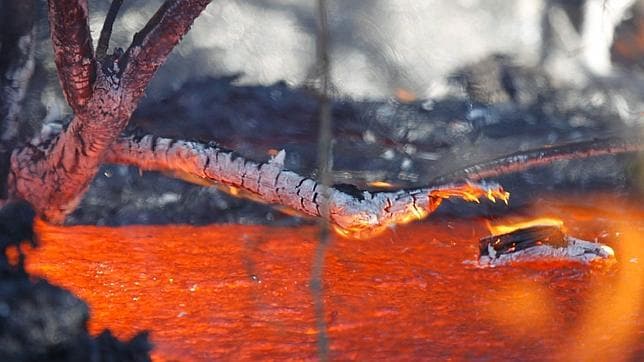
[
  {"x": 54, "y": 175},
  {"x": 73, "y": 53},
  {"x": 354, "y": 213}
]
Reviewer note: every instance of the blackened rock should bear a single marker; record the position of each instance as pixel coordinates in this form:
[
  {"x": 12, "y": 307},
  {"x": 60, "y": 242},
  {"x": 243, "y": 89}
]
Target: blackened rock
[
  {"x": 43, "y": 322},
  {"x": 113, "y": 350},
  {"x": 16, "y": 224}
]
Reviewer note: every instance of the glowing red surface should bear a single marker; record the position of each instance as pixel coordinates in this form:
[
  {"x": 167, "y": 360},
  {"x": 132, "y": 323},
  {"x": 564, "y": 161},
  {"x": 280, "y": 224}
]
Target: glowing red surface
[{"x": 241, "y": 292}]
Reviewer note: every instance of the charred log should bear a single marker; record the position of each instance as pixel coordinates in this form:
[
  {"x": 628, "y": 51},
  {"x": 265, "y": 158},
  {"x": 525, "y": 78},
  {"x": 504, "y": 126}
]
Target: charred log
[
  {"x": 269, "y": 182},
  {"x": 524, "y": 160}
]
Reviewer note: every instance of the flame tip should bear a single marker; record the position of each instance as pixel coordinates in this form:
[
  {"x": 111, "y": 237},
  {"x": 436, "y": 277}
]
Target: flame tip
[{"x": 508, "y": 228}]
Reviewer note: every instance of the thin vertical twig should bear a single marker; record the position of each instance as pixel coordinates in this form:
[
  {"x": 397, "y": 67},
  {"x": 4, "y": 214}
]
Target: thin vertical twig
[
  {"x": 324, "y": 166},
  {"x": 106, "y": 32}
]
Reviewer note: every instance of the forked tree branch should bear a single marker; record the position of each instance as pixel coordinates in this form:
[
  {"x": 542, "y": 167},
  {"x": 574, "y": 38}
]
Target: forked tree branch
[
  {"x": 52, "y": 177},
  {"x": 70, "y": 35},
  {"x": 106, "y": 32},
  {"x": 356, "y": 214}
]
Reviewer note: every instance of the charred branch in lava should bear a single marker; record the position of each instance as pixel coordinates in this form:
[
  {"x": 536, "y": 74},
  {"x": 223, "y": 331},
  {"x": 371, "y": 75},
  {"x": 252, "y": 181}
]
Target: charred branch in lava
[
  {"x": 73, "y": 52},
  {"x": 353, "y": 213},
  {"x": 359, "y": 214},
  {"x": 106, "y": 31},
  {"x": 152, "y": 45},
  {"x": 524, "y": 160},
  {"x": 16, "y": 69}
]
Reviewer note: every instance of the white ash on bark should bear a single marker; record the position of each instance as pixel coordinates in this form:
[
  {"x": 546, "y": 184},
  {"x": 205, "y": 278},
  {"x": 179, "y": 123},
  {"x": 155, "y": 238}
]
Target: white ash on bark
[{"x": 357, "y": 214}]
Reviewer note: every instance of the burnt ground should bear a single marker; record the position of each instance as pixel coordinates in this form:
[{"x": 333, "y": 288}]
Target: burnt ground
[{"x": 489, "y": 109}]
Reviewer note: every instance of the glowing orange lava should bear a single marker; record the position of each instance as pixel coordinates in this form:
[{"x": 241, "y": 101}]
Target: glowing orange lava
[{"x": 238, "y": 292}]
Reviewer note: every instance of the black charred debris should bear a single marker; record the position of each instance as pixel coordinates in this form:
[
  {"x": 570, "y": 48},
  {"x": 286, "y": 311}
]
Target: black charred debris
[{"x": 43, "y": 322}]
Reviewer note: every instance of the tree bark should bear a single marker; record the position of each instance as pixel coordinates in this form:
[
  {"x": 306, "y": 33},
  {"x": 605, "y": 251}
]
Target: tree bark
[
  {"x": 73, "y": 53},
  {"x": 54, "y": 176},
  {"x": 357, "y": 214},
  {"x": 353, "y": 213}
]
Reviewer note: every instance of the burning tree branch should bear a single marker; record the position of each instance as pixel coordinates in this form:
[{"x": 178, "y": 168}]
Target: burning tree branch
[
  {"x": 54, "y": 175},
  {"x": 353, "y": 213}
]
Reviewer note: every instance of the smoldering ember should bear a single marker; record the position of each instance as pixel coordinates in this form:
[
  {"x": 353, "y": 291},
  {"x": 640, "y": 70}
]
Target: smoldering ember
[{"x": 185, "y": 198}]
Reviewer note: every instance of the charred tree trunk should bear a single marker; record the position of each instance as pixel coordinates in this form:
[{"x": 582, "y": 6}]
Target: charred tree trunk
[{"x": 354, "y": 213}]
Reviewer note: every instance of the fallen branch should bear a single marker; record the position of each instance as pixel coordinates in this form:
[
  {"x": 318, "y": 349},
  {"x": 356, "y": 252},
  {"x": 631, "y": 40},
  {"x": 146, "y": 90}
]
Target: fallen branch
[
  {"x": 353, "y": 213},
  {"x": 357, "y": 214}
]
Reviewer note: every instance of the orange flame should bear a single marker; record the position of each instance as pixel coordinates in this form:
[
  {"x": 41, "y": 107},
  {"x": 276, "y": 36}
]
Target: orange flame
[
  {"x": 381, "y": 184},
  {"x": 472, "y": 193},
  {"x": 508, "y": 228}
]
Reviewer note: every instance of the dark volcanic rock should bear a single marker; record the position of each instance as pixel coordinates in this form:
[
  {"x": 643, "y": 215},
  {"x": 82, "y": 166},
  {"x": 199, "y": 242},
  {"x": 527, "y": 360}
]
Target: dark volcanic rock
[{"x": 43, "y": 322}]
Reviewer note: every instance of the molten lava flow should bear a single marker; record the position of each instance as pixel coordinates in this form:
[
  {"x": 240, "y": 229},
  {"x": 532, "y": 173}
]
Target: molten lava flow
[{"x": 240, "y": 292}]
